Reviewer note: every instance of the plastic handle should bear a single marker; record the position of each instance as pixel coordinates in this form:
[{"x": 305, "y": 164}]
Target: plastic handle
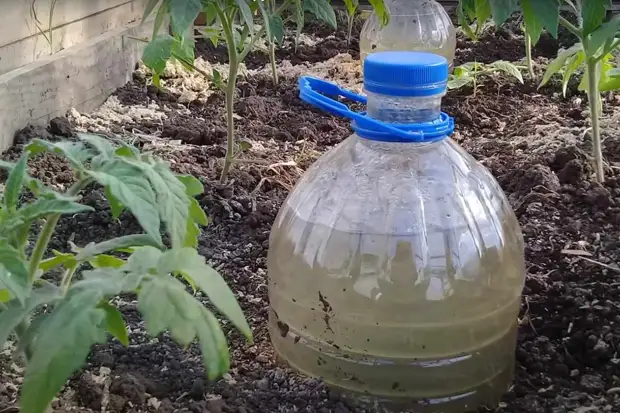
[{"x": 313, "y": 91}]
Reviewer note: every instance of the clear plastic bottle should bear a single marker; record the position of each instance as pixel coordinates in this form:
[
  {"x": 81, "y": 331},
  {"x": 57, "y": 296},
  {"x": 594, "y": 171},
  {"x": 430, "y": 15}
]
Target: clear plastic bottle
[
  {"x": 396, "y": 264},
  {"x": 415, "y": 25}
]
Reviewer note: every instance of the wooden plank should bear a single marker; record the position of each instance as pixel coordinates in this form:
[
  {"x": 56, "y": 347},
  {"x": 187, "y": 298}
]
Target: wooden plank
[
  {"x": 32, "y": 48},
  {"x": 18, "y": 23},
  {"x": 81, "y": 77}
]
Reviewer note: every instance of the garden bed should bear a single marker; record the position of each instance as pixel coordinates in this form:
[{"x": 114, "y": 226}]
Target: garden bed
[{"x": 534, "y": 142}]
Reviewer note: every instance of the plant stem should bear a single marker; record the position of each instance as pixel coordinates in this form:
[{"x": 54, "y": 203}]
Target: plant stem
[
  {"x": 41, "y": 246},
  {"x": 233, "y": 68},
  {"x": 594, "y": 102},
  {"x": 528, "y": 54},
  {"x": 571, "y": 27},
  {"x": 350, "y": 20},
  {"x": 272, "y": 59}
]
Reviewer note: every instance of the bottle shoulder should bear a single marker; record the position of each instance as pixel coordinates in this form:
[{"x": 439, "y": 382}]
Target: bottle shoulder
[{"x": 364, "y": 185}]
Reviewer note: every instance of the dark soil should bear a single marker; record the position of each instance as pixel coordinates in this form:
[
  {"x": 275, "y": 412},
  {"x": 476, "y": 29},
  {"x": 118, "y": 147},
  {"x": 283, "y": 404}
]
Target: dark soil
[{"x": 531, "y": 140}]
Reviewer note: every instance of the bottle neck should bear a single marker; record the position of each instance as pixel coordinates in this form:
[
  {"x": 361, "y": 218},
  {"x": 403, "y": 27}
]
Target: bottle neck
[{"x": 403, "y": 110}]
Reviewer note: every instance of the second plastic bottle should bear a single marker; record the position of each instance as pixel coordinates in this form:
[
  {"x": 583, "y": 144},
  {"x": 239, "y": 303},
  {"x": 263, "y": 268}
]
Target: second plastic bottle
[{"x": 415, "y": 25}]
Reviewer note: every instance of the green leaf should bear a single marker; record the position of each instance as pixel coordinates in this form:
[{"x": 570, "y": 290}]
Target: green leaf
[
  {"x": 299, "y": 20},
  {"x": 556, "y": 65},
  {"x": 15, "y": 183},
  {"x": 508, "y": 68},
  {"x": 117, "y": 244},
  {"x": 15, "y": 312},
  {"x": 158, "y": 52},
  {"x": 459, "y": 82},
  {"x": 13, "y": 272},
  {"x": 380, "y": 11},
  {"x": 183, "y": 13},
  {"x": 602, "y": 34},
  {"x": 198, "y": 214},
  {"x": 75, "y": 152},
  {"x": 115, "y": 324},
  {"x": 246, "y": 13},
  {"x": 572, "y": 65},
  {"x": 166, "y": 305},
  {"x": 129, "y": 187},
  {"x": 105, "y": 149},
  {"x": 42, "y": 207},
  {"x": 502, "y": 9},
  {"x": 483, "y": 11},
  {"x": 464, "y": 22},
  {"x": 322, "y": 10},
  {"x": 193, "y": 186},
  {"x": 593, "y": 13},
  {"x": 116, "y": 206},
  {"x": 539, "y": 14},
  {"x": 162, "y": 12},
  {"x": 61, "y": 346},
  {"x": 59, "y": 258},
  {"x": 106, "y": 261},
  {"x": 276, "y": 26},
  {"x": 209, "y": 281},
  {"x": 171, "y": 200}
]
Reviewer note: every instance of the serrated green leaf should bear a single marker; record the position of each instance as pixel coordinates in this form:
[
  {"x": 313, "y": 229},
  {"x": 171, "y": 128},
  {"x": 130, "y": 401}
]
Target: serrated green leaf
[
  {"x": 15, "y": 183},
  {"x": 209, "y": 281},
  {"x": 191, "y": 237},
  {"x": 508, "y": 68},
  {"x": 131, "y": 188},
  {"x": 322, "y": 10},
  {"x": 75, "y": 152},
  {"x": 165, "y": 305},
  {"x": 183, "y": 13},
  {"x": 5, "y": 296},
  {"x": 464, "y": 22},
  {"x": 483, "y": 11},
  {"x": 144, "y": 260},
  {"x": 213, "y": 345},
  {"x": 157, "y": 53},
  {"x": 558, "y": 63},
  {"x": 116, "y": 206},
  {"x": 171, "y": 200},
  {"x": 17, "y": 286},
  {"x": 15, "y": 312},
  {"x": 115, "y": 323},
  {"x": 593, "y": 13},
  {"x": 539, "y": 14},
  {"x": 61, "y": 347},
  {"x": 502, "y": 9}
]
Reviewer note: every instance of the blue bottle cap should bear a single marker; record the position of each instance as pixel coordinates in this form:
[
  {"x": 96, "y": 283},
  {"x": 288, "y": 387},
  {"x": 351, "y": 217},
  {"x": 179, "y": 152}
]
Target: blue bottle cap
[{"x": 401, "y": 73}]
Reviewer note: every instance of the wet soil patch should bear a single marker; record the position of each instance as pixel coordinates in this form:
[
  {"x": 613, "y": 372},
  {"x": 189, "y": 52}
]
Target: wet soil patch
[{"x": 534, "y": 142}]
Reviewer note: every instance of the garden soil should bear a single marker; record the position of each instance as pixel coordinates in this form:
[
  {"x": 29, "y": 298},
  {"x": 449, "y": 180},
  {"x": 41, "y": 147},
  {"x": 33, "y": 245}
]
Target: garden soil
[{"x": 535, "y": 142}]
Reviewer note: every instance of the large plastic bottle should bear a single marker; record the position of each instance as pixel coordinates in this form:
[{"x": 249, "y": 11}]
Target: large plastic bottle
[
  {"x": 415, "y": 25},
  {"x": 396, "y": 264}
]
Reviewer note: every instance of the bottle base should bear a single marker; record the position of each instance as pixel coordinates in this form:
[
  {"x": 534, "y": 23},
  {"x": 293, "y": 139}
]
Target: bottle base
[{"x": 457, "y": 385}]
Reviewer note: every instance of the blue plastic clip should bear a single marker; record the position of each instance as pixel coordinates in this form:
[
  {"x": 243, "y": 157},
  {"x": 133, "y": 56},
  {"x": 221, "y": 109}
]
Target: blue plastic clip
[{"x": 316, "y": 91}]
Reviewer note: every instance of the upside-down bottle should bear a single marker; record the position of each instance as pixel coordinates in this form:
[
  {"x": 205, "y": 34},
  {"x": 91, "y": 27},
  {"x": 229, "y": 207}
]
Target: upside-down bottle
[
  {"x": 414, "y": 25},
  {"x": 396, "y": 264}
]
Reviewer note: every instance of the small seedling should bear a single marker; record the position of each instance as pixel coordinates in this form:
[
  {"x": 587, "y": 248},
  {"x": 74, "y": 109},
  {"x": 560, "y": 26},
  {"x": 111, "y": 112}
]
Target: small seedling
[
  {"x": 59, "y": 304},
  {"x": 468, "y": 74}
]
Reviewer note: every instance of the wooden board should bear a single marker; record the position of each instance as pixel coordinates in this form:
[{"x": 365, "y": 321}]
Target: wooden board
[
  {"x": 73, "y": 22},
  {"x": 81, "y": 77}
]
